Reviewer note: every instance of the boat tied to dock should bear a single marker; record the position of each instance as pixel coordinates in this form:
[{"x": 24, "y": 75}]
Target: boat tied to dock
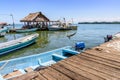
[
  {"x": 3, "y": 29},
  {"x": 18, "y": 66},
  {"x": 12, "y": 45}
]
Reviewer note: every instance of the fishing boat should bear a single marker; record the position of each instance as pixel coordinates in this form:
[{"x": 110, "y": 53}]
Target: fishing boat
[
  {"x": 71, "y": 34},
  {"x": 72, "y": 26},
  {"x": 54, "y": 27},
  {"x": 26, "y": 30},
  {"x": 12, "y": 45},
  {"x": 59, "y": 25},
  {"x": 3, "y": 30},
  {"x": 18, "y": 66}
]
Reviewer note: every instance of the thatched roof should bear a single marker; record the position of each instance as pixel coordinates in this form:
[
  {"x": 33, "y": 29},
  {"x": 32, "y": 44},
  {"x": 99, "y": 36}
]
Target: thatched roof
[
  {"x": 3, "y": 23},
  {"x": 35, "y": 17}
]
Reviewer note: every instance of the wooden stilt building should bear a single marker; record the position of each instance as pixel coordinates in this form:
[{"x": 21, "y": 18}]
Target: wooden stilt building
[{"x": 36, "y": 20}]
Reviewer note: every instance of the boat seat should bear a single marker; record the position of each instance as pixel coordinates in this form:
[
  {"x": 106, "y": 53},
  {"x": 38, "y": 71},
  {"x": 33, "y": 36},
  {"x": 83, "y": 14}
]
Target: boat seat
[
  {"x": 48, "y": 63},
  {"x": 70, "y": 51},
  {"x": 57, "y": 57},
  {"x": 14, "y": 74},
  {"x": 39, "y": 61},
  {"x": 28, "y": 69},
  {"x": 34, "y": 67}
]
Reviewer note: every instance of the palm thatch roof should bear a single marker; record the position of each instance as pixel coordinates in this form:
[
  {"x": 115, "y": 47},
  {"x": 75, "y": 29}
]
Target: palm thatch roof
[
  {"x": 35, "y": 17},
  {"x": 3, "y": 23}
]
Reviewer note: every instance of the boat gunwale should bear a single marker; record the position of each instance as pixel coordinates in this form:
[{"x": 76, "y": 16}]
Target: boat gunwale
[
  {"x": 35, "y": 54},
  {"x": 3, "y": 30},
  {"x": 17, "y": 41}
]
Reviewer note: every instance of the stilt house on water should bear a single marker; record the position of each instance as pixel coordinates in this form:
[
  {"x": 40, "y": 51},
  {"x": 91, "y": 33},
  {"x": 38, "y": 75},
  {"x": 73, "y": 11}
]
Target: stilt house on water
[{"x": 36, "y": 20}]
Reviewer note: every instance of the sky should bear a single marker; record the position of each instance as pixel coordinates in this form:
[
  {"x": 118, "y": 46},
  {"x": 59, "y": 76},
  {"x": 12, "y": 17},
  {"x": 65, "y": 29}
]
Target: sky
[{"x": 78, "y": 10}]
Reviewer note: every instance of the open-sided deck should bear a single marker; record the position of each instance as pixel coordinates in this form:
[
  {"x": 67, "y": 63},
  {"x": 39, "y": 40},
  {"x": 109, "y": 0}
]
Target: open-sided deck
[{"x": 99, "y": 63}]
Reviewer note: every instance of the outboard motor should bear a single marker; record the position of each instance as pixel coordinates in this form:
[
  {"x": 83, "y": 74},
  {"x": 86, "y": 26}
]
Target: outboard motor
[
  {"x": 108, "y": 38},
  {"x": 79, "y": 46}
]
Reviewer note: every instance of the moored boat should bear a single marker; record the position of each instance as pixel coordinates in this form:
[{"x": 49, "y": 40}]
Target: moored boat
[
  {"x": 54, "y": 27},
  {"x": 57, "y": 27},
  {"x": 72, "y": 26},
  {"x": 71, "y": 34},
  {"x": 3, "y": 30},
  {"x": 26, "y": 30},
  {"x": 9, "y": 46},
  {"x": 18, "y": 66}
]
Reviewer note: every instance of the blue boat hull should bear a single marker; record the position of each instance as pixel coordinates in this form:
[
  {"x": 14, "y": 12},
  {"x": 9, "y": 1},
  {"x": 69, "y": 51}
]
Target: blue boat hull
[
  {"x": 12, "y": 45},
  {"x": 15, "y": 47},
  {"x": 42, "y": 59}
]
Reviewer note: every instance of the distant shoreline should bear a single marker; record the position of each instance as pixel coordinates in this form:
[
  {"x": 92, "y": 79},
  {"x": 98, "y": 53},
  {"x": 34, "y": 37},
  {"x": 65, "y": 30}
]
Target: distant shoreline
[{"x": 98, "y": 22}]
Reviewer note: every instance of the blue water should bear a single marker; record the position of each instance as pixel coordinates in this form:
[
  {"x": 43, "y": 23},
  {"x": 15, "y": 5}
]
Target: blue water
[{"x": 92, "y": 34}]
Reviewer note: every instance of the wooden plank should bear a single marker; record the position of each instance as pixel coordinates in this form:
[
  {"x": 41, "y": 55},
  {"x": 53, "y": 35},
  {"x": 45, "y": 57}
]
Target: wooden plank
[
  {"x": 12, "y": 74},
  {"x": 94, "y": 65},
  {"x": 104, "y": 55},
  {"x": 28, "y": 76},
  {"x": 101, "y": 60},
  {"x": 47, "y": 75},
  {"x": 58, "y": 75},
  {"x": 68, "y": 72},
  {"x": 108, "y": 50},
  {"x": 90, "y": 70},
  {"x": 111, "y": 52},
  {"x": 40, "y": 77},
  {"x": 81, "y": 72},
  {"x": 29, "y": 69}
]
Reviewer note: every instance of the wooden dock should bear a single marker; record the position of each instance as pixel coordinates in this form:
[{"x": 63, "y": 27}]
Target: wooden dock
[{"x": 99, "y": 63}]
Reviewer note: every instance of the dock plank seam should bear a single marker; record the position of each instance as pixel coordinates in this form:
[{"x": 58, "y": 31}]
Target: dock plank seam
[
  {"x": 96, "y": 72},
  {"x": 101, "y": 60},
  {"x": 96, "y": 66},
  {"x": 69, "y": 73},
  {"x": 92, "y": 76}
]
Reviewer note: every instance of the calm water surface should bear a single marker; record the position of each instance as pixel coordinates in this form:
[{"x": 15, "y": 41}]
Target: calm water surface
[{"x": 91, "y": 34}]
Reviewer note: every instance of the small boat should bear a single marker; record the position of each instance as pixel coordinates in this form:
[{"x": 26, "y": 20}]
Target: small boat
[
  {"x": 9, "y": 46},
  {"x": 73, "y": 27},
  {"x": 26, "y": 30},
  {"x": 3, "y": 30},
  {"x": 55, "y": 27},
  {"x": 71, "y": 34},
  {"x": 18, "y": 66}
]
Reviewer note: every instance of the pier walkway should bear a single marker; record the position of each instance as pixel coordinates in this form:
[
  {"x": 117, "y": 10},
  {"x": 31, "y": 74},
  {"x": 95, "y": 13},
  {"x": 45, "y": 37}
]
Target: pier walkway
[{"x": 99, "y": 63}]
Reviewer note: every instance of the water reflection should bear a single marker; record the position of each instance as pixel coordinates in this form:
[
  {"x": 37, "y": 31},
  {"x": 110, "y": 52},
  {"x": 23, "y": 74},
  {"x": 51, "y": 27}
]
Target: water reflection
[
  {"x": 92, "y": 35},
  {"x": 41, "y": 42},
  {"x": 3, "y": 39}
]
